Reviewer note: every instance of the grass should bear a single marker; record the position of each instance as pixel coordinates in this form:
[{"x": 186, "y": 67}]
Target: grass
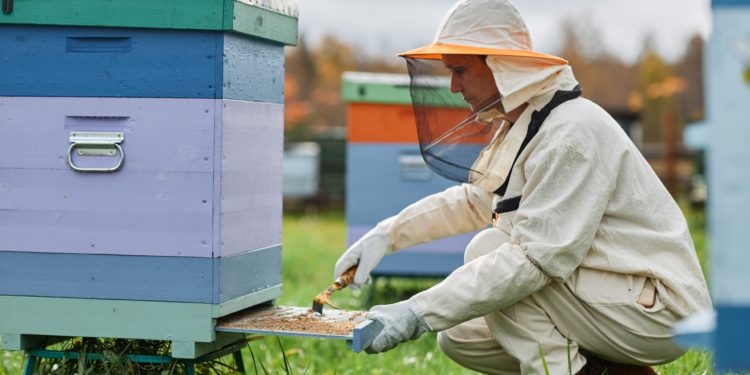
[
  {"x": 312, "y": 244},
  {"x": 311, "y": 247},
  {"x": 116, "y": 352}
]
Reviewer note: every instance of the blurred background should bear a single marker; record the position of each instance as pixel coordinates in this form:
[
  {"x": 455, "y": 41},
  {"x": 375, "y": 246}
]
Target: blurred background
[{"x": 640, "y": 60}]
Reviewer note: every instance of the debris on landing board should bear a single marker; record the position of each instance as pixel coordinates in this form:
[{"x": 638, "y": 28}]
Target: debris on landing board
[{"x": 294, "y": 321}]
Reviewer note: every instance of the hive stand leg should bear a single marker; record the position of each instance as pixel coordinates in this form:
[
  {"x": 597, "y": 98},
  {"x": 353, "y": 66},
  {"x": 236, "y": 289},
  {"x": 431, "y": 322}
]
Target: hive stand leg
[
  {"x": 192, "y": 350},
  {"x": 238, "y": 364},
  {"x": 229, "y": 349},
  {"x": 15, "y": 341},
  {"x": 28, "y": 367}
]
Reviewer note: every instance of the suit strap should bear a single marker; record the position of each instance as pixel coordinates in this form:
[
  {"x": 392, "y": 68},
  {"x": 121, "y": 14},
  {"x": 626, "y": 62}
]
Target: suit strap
[{"x": 537, "y": 119}]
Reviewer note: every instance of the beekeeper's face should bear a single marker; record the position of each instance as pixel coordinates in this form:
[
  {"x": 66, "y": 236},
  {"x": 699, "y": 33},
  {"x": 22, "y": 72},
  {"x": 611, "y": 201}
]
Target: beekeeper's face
[{"x": 470, "y": 76}]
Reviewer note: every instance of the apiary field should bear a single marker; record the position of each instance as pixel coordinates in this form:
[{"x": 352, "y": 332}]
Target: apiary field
[{"x": 312, "y": 244}]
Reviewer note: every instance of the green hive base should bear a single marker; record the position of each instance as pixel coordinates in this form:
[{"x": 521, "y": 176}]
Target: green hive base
[{"x": 190, "y": 326}]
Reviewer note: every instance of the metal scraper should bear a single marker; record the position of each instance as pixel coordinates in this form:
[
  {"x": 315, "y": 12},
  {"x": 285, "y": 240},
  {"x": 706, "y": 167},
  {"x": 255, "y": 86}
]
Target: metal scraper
[{"x": 325, "y": 296}]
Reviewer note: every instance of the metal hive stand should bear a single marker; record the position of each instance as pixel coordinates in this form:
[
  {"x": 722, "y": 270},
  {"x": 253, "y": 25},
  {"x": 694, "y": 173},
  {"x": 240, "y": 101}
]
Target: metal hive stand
[{"x": 234, "y": 349}]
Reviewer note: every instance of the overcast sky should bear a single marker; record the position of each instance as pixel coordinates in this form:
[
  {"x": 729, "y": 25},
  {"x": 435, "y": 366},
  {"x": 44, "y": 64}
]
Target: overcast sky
[{"x": 392, "y": 26}]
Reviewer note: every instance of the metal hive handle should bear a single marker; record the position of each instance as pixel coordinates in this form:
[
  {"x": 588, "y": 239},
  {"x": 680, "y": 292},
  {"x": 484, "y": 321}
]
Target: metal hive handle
[
  {"x": 100, "y": 142},
  {"x": 7, "y": 6}
]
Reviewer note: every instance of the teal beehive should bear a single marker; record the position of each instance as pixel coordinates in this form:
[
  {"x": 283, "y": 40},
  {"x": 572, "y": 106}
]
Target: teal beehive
[{"x": 141, "y": 149}]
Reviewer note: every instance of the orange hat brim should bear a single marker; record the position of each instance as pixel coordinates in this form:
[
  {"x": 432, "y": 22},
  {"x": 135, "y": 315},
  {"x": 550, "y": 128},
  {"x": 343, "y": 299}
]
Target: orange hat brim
[{"x": 435, "y": 52}]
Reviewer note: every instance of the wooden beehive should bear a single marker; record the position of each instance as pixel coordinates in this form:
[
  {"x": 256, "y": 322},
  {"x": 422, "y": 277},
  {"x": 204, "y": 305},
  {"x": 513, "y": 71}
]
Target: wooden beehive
[
  {"x": 727, "y": 82},
  {"x": 385, "y": 171},
  {"x": 189, "y": 228}
]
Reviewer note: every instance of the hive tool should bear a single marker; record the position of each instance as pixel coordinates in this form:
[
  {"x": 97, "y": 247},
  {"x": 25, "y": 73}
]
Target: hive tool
[{"x": 325, "y": 296}]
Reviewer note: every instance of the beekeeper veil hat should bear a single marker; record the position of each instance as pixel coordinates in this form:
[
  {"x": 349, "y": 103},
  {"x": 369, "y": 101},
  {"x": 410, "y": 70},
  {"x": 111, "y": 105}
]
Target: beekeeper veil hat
[{"x": 464, "y": 144}]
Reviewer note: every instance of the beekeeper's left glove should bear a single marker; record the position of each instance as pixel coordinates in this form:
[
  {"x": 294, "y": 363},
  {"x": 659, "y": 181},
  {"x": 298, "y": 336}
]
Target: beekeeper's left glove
[
  {"x": 402, "y": 321},
  {"x": 365, "y": 253}
]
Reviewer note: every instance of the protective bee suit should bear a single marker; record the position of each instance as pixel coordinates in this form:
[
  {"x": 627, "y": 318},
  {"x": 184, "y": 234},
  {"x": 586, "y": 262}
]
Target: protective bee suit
[{"x": 586, "y": 242}]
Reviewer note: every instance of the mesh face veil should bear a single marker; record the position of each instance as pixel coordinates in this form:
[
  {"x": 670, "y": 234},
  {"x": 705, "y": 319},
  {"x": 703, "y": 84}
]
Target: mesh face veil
[{"x": 457, "y": 141}]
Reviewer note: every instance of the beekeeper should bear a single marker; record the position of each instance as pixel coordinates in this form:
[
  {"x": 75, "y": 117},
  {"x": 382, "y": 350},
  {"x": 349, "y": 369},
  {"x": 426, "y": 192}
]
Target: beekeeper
[{"x": 587, "y": 248}]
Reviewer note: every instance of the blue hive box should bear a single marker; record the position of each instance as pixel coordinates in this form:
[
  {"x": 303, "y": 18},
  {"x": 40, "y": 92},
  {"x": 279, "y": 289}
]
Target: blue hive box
[{"x": 385, "y": 172}]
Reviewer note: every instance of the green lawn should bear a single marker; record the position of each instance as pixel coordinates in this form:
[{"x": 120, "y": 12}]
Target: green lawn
[{"x": 312, "y": 245}]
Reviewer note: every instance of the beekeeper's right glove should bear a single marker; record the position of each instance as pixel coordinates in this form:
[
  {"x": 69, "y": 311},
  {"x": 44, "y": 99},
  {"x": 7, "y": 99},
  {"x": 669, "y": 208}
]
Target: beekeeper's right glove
[
  {"x": 367, "y": 253},
  {"x": 402, "y": 322}
]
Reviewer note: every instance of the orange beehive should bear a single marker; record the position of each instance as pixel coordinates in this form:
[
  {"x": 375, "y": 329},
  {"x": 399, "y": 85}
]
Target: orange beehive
[{"x": 385, "y": 171}]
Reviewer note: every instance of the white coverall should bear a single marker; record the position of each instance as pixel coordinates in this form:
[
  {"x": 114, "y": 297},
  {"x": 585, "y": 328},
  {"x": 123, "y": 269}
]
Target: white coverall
[
  {"x": 594, "y": 223},
  {"x": 594, "y": 227}
]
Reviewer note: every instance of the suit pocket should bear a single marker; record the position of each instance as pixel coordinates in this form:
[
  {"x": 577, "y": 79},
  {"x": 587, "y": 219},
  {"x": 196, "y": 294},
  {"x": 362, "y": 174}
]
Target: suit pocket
[{"x": 597, "y": 287}]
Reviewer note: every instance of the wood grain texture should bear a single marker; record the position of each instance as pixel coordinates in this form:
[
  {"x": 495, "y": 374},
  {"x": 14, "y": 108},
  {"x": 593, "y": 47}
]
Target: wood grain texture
[
  {"x": 183, "y": 151},
  {"x": 249, "y": 272},
  {"x": 164, "y": 14},
  {"x": 165, "y": 201},
  {"x": 146, "y": 320},
  {"x": 15, "y": 341},
  {"x": 124, "y": 62},
  {"x": 253, "y": 299},
  {"x": 121, "y": 192},
  {"x": 152, "y": 206},
  {"x": 253, "y": 69},
  {"x": 241, "y": 231},
  {"x": 159, "y": 234},
  {"x": 228, "y": 19},
  {"x": 163, "y": 63},
  {"x": 251, "y": 177},
  {"x": 161, "y": 135},
  {"x": 729, "y": 199},
  {"x": 75, "y": 317},
  {"x": 143, "y": 278},
  {"x": 216, "y": 215},
  {"x": 264, "y": 23},
  {"x": 184, "y": 14}
]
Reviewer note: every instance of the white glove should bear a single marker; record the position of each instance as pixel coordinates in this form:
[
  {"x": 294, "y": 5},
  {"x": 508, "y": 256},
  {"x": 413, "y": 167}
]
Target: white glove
[
  {"x": 402, "y": 321},
  {"x": 366, "y": 253}
]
